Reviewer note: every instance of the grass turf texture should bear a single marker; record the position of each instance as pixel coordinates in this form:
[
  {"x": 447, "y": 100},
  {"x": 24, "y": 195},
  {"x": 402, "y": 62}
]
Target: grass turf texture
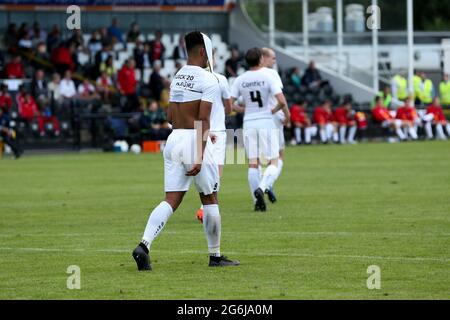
[{"x": 340, "y": 210}]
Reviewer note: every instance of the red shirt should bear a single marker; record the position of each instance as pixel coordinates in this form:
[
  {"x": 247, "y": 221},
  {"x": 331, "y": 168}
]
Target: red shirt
[
  {"x": 341, "y": 115},
  {"x": 14, "y": 70},
  {"x": 62, "y": 55},
  {"x": 381, "y": 114},
  {"x": 157, "y": 50},
  {"x": 5, "y": 101},
  {"x": 436, "y": 111},
  {"x": 406, "y": 113},
  {"x": 361, "y": 120},
  {"x": 127, "y": 80},
  {"x": 28, "y": 109},
  {"x": 322, "y": 116},
  {"x": 298, "y": 114}
]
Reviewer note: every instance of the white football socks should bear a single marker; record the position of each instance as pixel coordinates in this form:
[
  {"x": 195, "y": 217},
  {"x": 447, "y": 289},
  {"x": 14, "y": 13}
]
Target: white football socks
[
  {"x": 351, "y": 134},
  {"x": 342, "y": 132},
  {"x": 253, "y": 180},
  {"x": 413, "y": 133},
  {"x": 156, "y": 222},
  {"x": 447, "y": 128},
  {"x": 428, "y": 130},
  {"x": 440, "y": 132},
  {"x": 298, "y": 135},
  {"x": 212, "y": 225},
  {"x": 400, "y": 133},
  {"x": 323, "y": 135},
  {"x": 308, "y": 133},
  {"x": 279, "y": 168},
  {"x": 269, "y": 177}
]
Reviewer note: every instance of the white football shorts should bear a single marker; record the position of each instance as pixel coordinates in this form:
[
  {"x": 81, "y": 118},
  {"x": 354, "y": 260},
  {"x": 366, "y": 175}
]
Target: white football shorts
[{"x": 261, "y": 139}]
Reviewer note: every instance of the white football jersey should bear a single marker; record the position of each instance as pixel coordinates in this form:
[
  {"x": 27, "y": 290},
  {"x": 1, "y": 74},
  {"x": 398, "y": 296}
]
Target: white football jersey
[
  {"x": 279, "y": 116},
  {"x": 217, "y": 118},
  {"x": 256, "y": 87},
  {"x": 193, "y": 83}
]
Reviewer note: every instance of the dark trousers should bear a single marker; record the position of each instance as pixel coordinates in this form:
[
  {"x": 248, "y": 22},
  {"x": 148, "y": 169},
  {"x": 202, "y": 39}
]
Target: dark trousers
[{"x": 12, "y": 143}]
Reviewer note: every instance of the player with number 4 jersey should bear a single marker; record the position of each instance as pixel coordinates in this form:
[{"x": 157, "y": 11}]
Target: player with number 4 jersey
[{"x": 261, "y": 138}]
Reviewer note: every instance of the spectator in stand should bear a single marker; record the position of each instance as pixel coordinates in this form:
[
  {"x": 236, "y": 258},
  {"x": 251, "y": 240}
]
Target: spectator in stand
[
  {"x": 41, "y": 55},
  {"x": 143, "y": 57},
  {"x": 39, "y": 89},
  {"x": 133, "y": 33},
  {"x": 153, "y": 122},
  {"x": 115, "y": 32},
  {"x": 157, "y": 48},
  {"x": 105, "y": 86},
  {"x": 54, "y": 87},
  {"x": 15, "y": 68},
  {"x": 11, "y": 37},
  {"x": 106, "y": 38},
  {"x": 6, "y": 102},
  {"x": 8, "y": 135},
  {"x": 233, "y": 64},
  {"x": 25, "y": 42},
  {"x": 37, "y": 35},
  {"x": 408, "y": 114},
  {"x": 95, "y": 43},
  {"x": 444, "y": 90},
  {"x": 383, "y": 117},
  {"x": 29, "y": 112},
  {"x": 179, "y": 52},
  {"x": 23, "y": 30},
  {"x": 386, "y": 97},
  {"x": 344, "y": 117},
  {"x": 128, "y": 86},
  {"x": 76, "y": 39},
  {"x": 312, "y": 78},
  {"x": 62, "y": 59},
  {"x": 68, "y": 93},
  {"x": 300, "y": 121},
  {"x": 102, "y": 56},
  {"x": 88, "y": 96},
  {"x": 53, "y": 38},
  {"x": 438, "y": 120},
  {"x": 323, "y": 118},
  {"x": 157, "y": 81},
  {"x": 108, "y": 67},
  {"x": 296, "y": 79}
]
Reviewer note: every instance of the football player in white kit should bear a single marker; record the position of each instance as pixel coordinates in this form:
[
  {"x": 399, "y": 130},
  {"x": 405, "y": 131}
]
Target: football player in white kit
[
  {"x": 187, "y": 155},
  {"x": 269, "y": 61},
  {"x": 261, "y": 138},
  {"x": 218, "y": 134}
]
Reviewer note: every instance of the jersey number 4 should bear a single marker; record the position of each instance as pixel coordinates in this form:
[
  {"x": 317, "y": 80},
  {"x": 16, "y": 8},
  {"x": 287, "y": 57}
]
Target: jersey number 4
[{"x": 256, "y": 97}]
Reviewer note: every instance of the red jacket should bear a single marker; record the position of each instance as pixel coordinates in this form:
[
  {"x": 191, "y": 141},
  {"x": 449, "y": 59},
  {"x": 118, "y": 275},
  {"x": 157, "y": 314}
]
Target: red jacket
[
  {"x": 5, "y": 101},
  {"x": 436, "y": 111},
  {"x": 15, "y": 70},
  {"x": 322, "y": 116},
  {"x": 406, "y": 113},
  {"x": 381, "y": 114},
  {"x": 341, "y": 115},
  {"x": 127, "y": 80},
  {"x": 62, "y": 55},
  {"x": 298, "y": 114},
  {"x": 27, "y": 110}
]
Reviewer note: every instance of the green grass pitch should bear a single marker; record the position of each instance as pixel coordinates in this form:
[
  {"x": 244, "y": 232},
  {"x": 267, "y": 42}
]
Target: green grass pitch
[{"x": 340, "y": 210}]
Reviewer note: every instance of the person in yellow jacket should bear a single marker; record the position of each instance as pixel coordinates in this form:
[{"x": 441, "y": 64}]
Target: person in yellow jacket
[
  {"x": 427, "y": 92},
  {"x": 399, "y": 86},
  {"x": 417, "y": 86},
  {"x": 444, "y": 90}
]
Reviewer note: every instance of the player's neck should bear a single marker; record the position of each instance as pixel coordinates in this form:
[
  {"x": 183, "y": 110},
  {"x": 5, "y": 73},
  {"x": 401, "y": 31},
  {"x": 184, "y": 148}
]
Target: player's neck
[
  {"x": 194, "y": 62},
  {"x": 255, "y": 68}
]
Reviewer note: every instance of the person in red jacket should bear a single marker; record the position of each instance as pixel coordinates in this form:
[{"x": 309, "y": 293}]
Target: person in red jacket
[
  {"x": 29, "y": 112},
  {"x": 323, "y": 118},
  {"x": 62, "y": 59},
  {"x": 300, "y": 120},
  {"x": 344, "y": 118},
  {"x": 5, "y": 99},
  {"x": 437, "y": 119},
  {"x": 15, "y": 69},
  {"x": 383, "y": 117},
  {"x": 128, "y": 85},
  {"x": 408, "y": 114}
]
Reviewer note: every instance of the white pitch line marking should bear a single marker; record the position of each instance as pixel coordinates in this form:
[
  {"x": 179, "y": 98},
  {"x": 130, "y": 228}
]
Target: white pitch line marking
[{"x": 265, "y": 254}]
